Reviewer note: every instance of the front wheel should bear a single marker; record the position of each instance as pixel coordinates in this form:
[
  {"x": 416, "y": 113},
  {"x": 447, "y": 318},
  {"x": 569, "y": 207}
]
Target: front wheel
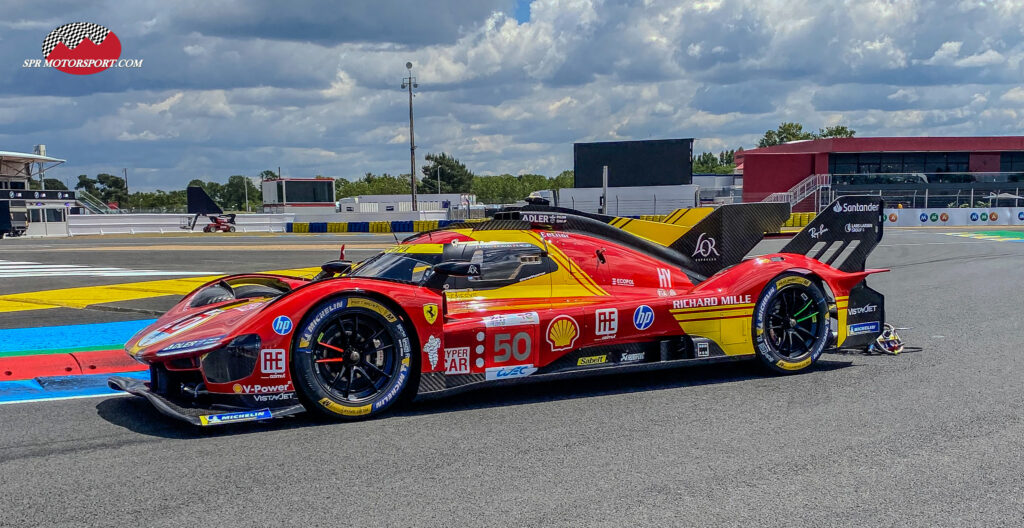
[
  {"x": 352, "y": 358},
  {"x": 791, "y": 323}
]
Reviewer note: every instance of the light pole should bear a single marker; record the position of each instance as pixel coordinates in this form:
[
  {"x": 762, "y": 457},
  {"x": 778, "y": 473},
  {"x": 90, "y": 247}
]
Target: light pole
[
  {"x": 410, "y": 83},
  {"x": 438, "y": 182}
]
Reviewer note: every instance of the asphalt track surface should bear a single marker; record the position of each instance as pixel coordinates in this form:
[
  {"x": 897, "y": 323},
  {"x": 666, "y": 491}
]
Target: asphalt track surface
[{"x": 927, "y": 438}]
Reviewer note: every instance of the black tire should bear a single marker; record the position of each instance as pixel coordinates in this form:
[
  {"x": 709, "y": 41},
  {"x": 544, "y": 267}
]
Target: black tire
[
  {"x": 352, "y": 358},
  {"x": 791, "y": 323},
  {"x": 231, "y": 229}
]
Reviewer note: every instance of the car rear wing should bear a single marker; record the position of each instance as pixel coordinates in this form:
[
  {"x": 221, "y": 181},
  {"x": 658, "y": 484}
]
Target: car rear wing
[{"x": 842, "y": 235}]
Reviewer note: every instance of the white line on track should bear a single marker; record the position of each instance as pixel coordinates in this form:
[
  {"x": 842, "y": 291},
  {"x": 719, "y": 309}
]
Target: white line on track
[
  {"x": 38, "y": 400},
  {"x": 19, "y": 269},
  {"x": 935, "y": 243}
]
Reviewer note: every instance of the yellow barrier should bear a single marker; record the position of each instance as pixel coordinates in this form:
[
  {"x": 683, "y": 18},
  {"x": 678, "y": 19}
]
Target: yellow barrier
[
  {"x": 420, "y": 226},
  {"x": 380, "y": 227},
  {"x": 300, "y": 227},
  {"x": 337, "y": 227}
]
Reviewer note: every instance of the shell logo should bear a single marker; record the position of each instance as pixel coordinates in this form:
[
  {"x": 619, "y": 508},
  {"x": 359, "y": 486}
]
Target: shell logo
[
  {"x": 562, "y": 332},
  {"x": 237, "y": 388}
]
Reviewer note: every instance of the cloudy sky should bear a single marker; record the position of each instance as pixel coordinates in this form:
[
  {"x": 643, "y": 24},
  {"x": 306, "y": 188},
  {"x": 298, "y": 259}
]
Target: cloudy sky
[{"x": 234, "y": 87}]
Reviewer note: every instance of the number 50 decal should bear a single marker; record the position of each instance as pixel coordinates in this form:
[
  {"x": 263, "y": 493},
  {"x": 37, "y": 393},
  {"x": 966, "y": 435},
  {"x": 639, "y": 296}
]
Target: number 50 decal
[{"x": 507, "y": 346}]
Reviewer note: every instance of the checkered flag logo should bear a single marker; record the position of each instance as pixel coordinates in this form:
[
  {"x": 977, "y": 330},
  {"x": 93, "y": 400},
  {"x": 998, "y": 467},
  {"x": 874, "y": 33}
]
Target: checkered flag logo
[{"x": 73, "y": 34}]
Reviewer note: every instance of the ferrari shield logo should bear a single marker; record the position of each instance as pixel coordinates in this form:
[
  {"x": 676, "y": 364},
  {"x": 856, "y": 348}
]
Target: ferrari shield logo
[{"x": 430, "y": 313}]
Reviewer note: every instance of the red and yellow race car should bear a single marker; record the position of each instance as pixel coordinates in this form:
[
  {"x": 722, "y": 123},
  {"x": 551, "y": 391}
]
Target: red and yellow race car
[{"x": 536, "y": 292}]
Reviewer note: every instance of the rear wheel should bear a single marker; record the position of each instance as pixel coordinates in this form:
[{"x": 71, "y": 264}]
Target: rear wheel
[
  {"x": 791, "y": 323},
  {"x": 352, "y": 358}
]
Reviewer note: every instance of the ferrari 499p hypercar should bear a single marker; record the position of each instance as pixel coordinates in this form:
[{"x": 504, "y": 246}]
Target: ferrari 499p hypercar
[{"x": 535, "y": 292}]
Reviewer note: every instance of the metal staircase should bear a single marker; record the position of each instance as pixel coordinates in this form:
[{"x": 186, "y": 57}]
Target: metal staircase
[
  {"x": 819, "y": 185},
  {"x": 94, "y": 204}
]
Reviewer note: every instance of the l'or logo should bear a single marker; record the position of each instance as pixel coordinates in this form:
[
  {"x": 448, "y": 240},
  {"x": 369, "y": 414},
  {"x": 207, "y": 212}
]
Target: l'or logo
[{"x": 430, "y": 313}]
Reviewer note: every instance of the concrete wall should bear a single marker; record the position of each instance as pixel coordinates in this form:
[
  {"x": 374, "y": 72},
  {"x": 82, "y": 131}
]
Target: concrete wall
[
  {"x": 108, "y": 224},
  {"x": 630, "y": 201},
  {"x": 948, "y": 216}
]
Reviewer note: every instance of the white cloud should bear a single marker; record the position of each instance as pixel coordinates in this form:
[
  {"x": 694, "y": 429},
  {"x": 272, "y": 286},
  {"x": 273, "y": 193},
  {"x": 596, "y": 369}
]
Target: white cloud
[
  {"x": 945, "y": 55},
  {"x": 1014, "y": 95},
  {"x": 236, "y": 95},
  {"x": 986, "y": 58}
]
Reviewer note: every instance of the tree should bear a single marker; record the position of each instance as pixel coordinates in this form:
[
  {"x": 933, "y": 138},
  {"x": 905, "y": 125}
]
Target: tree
[
  {"x": 234, "y": 192},
  {"x": 784, "y": 134},
  {"x": 504, "y": 188},
  {"x": 565, "y": 180},
  {"x": 267, "y": 175},
  {"x": 87, "y": 184},
  {"x": 213, "y": 189},
  {"x": 52, "y": 184},
  {"x": 795, "y": 131},
  {"x": 455, "y": 177},
  {"x": 708, "y": 163},
  {"x": 372, "y": 184},
  {"x": 835, "y": 131}
]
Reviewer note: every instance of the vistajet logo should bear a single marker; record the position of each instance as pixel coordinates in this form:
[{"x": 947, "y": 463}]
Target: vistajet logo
[{"x": 82, "y": 48}]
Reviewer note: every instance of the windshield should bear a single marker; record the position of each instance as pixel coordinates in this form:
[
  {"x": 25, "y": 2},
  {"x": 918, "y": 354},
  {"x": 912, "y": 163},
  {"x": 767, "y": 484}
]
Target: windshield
[{"x": 403, "y": 267}]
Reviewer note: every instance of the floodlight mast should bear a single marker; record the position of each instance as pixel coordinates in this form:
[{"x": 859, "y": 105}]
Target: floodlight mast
[{"x": 410, "y": 83}]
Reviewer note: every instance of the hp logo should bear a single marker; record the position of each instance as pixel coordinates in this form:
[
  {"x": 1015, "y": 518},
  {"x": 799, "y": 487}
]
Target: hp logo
[
  {"x": 282, "y": 325},
  {"x": 643, "y": 317}
]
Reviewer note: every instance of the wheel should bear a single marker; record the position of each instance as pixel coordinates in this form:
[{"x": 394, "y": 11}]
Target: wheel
[
  {"x": 231, "y": 229},
  {"x": 791, "y": 323},
  {"x": 207, "y": 229},
  {"x": 352, "y": 358}
]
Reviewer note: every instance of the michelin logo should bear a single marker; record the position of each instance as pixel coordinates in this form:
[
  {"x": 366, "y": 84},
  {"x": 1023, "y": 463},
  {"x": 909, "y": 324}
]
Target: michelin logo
[
  {"x": 244, "y": 416},
  {"x": 864, "y": 328}
]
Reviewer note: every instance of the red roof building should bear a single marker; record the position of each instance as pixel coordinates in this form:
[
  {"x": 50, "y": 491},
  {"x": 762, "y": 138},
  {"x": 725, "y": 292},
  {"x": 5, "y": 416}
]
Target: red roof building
[{"x": 777, "y": 169}]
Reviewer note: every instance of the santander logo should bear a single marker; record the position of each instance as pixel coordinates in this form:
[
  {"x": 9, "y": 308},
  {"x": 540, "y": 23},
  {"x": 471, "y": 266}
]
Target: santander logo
[{"x": 82, "y": 48}]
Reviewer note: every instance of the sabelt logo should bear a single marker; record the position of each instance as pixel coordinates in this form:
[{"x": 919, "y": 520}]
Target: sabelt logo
[{"x": 855, "y": 208}]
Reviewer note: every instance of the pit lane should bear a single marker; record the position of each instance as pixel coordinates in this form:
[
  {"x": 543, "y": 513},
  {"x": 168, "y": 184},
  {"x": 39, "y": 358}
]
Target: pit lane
[{"x": 925, "y": 438}]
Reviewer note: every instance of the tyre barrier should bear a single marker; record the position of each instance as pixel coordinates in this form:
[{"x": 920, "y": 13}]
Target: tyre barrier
[{"x": 798, "y": 219}]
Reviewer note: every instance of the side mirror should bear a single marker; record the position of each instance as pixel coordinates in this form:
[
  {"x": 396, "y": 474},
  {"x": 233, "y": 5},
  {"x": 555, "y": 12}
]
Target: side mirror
[
  {"x": 333, "y": 268},
  {"x": 457, "y": 269}
]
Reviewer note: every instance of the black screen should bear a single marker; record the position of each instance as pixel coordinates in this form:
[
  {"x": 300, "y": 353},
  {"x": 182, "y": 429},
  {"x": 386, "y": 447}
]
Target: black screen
[
  {"x": 316, "y": 191},
  {"x": 634, "y": 163}
]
